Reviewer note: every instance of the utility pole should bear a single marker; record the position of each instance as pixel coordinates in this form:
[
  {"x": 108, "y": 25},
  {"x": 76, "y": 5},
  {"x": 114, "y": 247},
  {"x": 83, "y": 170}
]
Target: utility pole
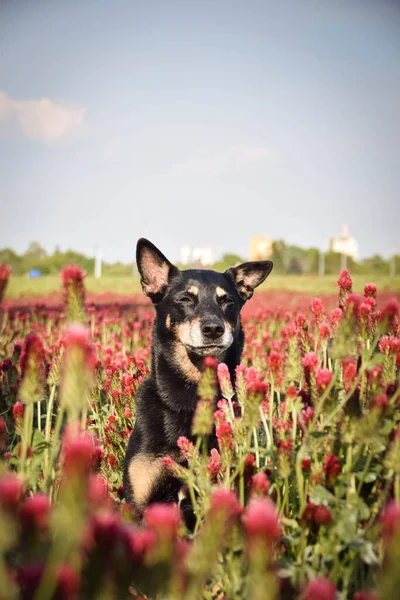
[
  {"x": 97, "y": 263},
  {"x": 321, "y": 268}
]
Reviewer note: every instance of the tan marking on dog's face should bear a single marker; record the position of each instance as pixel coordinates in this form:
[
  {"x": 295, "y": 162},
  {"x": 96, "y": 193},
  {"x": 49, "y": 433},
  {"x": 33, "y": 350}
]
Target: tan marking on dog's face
[
  {"x": 193, "y": 289},
  {"x": 189, "y": 333},
  {"x": 144, "y": 471},
  {"x": 184, "y": 364},
  {"x": 220, "y": 292},
  {"x": 168, "y": 322}
]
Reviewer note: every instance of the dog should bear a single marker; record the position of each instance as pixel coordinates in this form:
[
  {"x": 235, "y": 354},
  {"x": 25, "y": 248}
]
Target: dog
[{"x": 197, "y": 315}]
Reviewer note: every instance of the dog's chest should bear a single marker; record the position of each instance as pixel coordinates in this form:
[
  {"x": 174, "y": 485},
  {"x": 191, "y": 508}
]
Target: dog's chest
[{"x": 176, "y": 425}]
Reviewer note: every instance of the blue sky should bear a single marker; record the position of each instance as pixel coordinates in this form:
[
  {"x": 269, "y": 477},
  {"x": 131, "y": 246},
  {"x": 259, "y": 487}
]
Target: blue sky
[{"x": 199, "y": 123}]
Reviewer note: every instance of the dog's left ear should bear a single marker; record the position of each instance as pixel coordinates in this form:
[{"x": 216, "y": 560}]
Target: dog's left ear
[
  {"x": 249, "y": 275},
  {"x": 155, "y": 270}
]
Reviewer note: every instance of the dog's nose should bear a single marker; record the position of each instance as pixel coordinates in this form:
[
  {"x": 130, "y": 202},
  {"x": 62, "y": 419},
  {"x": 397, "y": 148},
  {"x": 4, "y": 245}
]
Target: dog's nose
[{"x": 213, "y": 329}]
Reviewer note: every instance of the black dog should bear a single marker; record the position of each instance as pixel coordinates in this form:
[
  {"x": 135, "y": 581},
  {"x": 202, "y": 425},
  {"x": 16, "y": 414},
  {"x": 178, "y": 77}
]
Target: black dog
[{"x": 198, "y": 315}]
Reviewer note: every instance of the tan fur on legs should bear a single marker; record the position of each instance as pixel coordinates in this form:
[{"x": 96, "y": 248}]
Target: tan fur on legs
[{"x": 144, "y": 471}]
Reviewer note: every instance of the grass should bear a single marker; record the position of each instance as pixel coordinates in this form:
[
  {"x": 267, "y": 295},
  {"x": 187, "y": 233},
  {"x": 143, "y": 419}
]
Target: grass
[{"x": 22, "y": 286}]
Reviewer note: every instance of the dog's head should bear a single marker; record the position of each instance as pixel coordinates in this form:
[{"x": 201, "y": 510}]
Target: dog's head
[{"x": 199, "y": 308}]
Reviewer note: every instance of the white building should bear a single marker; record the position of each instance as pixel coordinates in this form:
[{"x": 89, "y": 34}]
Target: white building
[{"x": 346, "y": 244}]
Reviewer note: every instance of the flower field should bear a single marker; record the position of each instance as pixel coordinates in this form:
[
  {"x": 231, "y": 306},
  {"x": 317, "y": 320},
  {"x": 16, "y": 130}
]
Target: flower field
[{"x": 301, "y": 500}]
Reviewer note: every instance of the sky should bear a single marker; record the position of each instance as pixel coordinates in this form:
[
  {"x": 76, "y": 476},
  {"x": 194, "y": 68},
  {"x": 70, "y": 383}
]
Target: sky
[{"x": 199, "y": 123}]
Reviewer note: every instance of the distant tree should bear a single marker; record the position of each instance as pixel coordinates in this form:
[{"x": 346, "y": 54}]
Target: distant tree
[
  {"x": 9, "y": 257},
  {"x": 227, "y": 260},
  {"x": 278, "y": 256}
]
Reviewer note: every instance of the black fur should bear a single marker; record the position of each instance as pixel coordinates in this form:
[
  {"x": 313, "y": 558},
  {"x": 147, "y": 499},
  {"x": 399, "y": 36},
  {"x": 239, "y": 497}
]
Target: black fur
[{"x": 166, "y": 401}]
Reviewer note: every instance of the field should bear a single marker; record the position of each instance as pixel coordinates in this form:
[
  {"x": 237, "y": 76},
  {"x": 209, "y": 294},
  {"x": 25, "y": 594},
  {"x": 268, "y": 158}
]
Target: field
[
  {"x": 24, "y": 287},
  {"x": 301, "y": 500}
]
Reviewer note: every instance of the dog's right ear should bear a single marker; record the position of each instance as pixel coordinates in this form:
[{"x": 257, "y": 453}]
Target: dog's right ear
[{"x": 154, "y": 268}]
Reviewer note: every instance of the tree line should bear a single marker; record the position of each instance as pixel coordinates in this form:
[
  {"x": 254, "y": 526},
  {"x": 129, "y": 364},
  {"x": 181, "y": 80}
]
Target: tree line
[{"x": 288, "y": 259}]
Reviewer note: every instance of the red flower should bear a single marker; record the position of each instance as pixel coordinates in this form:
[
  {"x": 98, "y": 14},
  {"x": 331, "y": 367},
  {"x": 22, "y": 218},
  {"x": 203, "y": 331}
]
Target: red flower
[
  {"x": 322, "y": 515},
  {"x": 72, "y": 275},
  {"x": 331, "y": 468},
  {"x": 210, "y": 362},
  {"x": 306, "y": 463},
  {"x": 344, "y": 282},
  {"x": 275, "y": 361},
  {"x": 77, "y": 337},
  {"x": 261, "y": 521},
  {"x": 18, "y": 411},
  {"x": 33, "y": 354},
  {"x": 164, "y": 519},
  {"x": 319, "y": 589},
  {"x": 363, "y": 595}
]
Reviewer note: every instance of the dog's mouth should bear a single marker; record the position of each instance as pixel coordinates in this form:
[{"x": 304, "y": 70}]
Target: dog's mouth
[{"x": 207, "y": 350}]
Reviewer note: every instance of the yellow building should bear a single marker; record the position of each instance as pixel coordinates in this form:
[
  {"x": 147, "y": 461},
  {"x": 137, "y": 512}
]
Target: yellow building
[{"x": 260, "y": 247}]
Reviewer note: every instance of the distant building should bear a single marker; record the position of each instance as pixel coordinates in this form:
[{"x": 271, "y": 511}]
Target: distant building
[
  {"x": 202, "y": 255},
  {"x": 345, "y": 244},
  {"x": 260, "y": 247}
]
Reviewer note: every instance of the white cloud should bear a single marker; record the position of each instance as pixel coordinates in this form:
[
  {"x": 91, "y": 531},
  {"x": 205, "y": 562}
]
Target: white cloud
[
  {"x": 234, "y": 159},
  {"x": 42, "y": 119}
]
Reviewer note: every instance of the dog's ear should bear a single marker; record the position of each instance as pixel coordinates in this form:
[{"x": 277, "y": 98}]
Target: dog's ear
[
  {"x": 155, "y": 270},
  {"x": 249, "y": 275}
]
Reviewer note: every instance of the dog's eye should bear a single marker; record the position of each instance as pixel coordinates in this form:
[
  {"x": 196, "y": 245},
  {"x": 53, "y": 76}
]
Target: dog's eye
[
  {"x": 225, "y": 301},
  {"x": 187, "y": 299}
]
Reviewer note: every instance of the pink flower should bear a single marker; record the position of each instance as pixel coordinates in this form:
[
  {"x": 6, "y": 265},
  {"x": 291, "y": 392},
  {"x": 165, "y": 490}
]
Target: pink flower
[
  {"x": 33, "y": 355},
  {"x": 34, "y": 512},
  {"x": 344, "y": 282},
  {"x": 224, "y": 436},
  {"x": 390, "y": 520},
  {"x": 11, "y": 491},
  {"x": 324, "y": 331},
  {"x": 214, "y": 464},
  {"x": 186, "y": 447},
  {"x": 389, "y": 345},
  {"x": 259, "y": 484},
  {"x": 317, "y": 308},
  {"x": 380, "y": 401},
  {"x": 335, "y": 317},
  {"x": 164, "y": 519},
  {"x": 319, "y": 589},
  {"x": 323, "y": 379},
  {"x": 275, "y": 361},
  {"x": 79, "y": 454},
  {"x": 311, "y": 362},
  {"x": 370, "y": 290},
  {"x": 77, "y": 338},
  {"x": 224, "y": 503},
  {"x": 5, "y": 271},
  {"x": 224, "y": 380},
  {"x": 261, "y": 521},
  {"x": 349, "y": 374}
]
